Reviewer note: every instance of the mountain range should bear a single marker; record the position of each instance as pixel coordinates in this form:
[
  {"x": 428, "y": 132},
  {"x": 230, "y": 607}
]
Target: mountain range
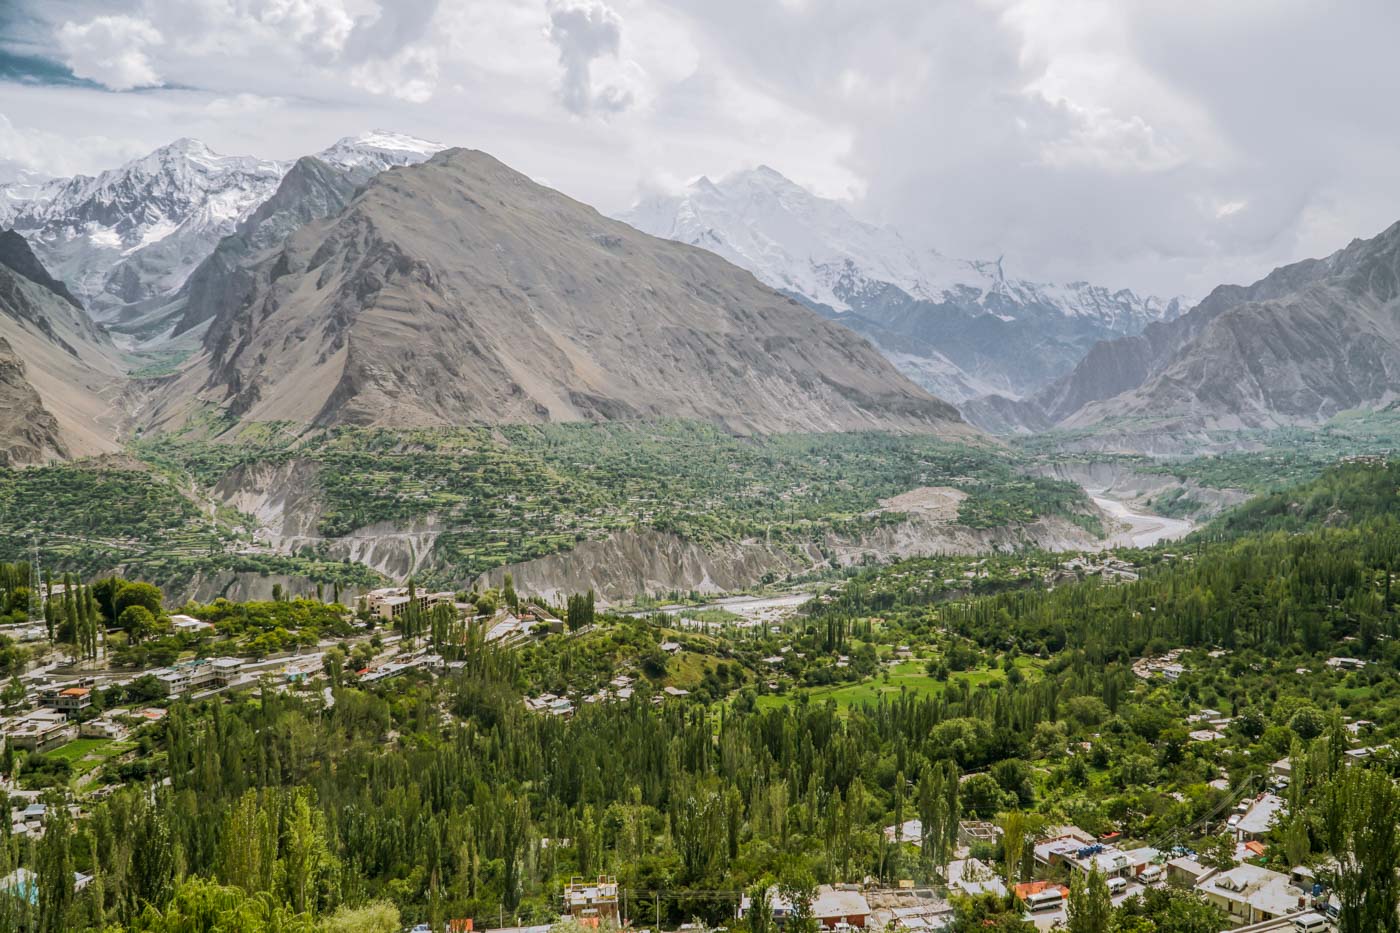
[
  {"x": 959, "y": 328},
  {"x": 126, "y": 240},
  {"x": 458, "y": 291},
  {"x": 1306, "y": 342},
  {"x": 378, "y": 283}
]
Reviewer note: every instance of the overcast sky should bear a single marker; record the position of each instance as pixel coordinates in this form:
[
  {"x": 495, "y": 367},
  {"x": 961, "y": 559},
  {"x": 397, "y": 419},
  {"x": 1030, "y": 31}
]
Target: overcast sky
[{"x": 1163, "y": 145}]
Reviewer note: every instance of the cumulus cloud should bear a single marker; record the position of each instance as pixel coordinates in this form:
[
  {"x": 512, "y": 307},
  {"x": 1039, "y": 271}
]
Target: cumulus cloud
[
  {"x": 585, "y": 31},
  {"x": 111, "y": 50}
]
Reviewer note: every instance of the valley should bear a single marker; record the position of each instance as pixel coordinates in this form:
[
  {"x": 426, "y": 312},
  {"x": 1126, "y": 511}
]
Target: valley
[{"x": 388, "y": 538}]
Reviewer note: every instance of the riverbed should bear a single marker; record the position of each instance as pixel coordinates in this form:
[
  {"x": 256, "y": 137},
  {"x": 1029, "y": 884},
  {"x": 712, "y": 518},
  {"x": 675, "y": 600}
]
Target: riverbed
[{"x": 1144, "y": 529}]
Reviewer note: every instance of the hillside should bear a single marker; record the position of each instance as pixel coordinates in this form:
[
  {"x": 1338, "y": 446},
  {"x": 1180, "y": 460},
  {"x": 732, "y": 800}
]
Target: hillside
[
  {"x": 460, "y": 292},
  {"x": 959, "y": 328},
  {"x": 1306, "y": 342},
  {"x": 60, "y": 376}
]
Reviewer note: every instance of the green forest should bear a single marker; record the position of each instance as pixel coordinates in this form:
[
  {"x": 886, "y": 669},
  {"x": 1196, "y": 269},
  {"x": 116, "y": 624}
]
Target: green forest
[{"x": 428, "y": 798}]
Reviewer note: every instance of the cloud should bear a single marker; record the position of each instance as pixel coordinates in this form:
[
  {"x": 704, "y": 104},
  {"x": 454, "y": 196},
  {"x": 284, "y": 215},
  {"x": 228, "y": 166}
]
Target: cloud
[
  {"x": 26, "y": 151},
  {"x": 584, "y": 31},
  {"x": 111, "y": 50}
]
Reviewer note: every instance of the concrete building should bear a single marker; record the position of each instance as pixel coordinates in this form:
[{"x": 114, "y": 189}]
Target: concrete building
[
  {"x": 40, "y": 731},
  {"x": 1250, "y": 894},
  {"x": 592, "y": 900},
  {"x": 66, "y": 699},
  {"x": 391, "y": 602},
  {"x": 1260, "y": 817}
]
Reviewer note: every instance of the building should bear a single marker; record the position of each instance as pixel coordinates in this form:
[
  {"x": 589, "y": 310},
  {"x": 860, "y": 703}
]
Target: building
[
  {"x": 1250, "y": 894},
  {"x": 69, "y": 700},
  {"x": 183, "y": 623},
  {"x": 204, "y": 673},
  {"x": 40, "y": 731},
  {"x": 1083, "y": 855},
  {"x": 1259, "y": 818},
  {"x": 391, "y": 602},
  {"x": 592, "y": 900},
  {"x": 910, "y": 831},
  {"x": 833, "y": 906},
  {"x": 1187, "y": 872},
  {"x": 972, "y": 877},
  {"x": 1346, "y": 664},
  {"x": 840, "y": 906},
  {"x": 972, "y": 832}
]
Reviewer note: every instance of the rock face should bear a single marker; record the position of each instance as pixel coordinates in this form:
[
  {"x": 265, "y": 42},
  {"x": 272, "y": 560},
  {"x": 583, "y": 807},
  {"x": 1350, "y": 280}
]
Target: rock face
[
  {"x": 1307, "y": 341},
  {"x": 60, "y": 377},
  {"x": 958, "y": 328},
  {"x": 127, "y": 240},
  {"x": 458, "y": 291},
  {"x": 630, "y": 563}
]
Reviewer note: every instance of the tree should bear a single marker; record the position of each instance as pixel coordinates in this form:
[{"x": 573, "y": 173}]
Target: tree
[
  {"x": 508, "y": 595},
  {"x": 984, "y": 797},
  {"x": 760, "y": 916},
  {"x": 137, "y": 622},
  {"x": 1090, "y": 908},
  {"x": 1219, "y": 853},
  {"x": 1307, "y": 723},
  {"x": 1013, "y": 844},
  {"x": 145, "y": 595},
  {"x": 55, "y": 867},
  {"x": 1361, "y": 818}
]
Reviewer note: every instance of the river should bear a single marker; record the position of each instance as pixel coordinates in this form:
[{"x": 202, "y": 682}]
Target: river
[{"x": 1144, "y": 529}]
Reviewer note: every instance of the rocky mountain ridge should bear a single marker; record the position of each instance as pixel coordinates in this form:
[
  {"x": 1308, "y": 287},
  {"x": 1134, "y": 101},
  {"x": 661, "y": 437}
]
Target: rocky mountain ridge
[
  {"x": 458, "y": 291},
  {"x": 130, "y": 236},
  {"x": 959, "y": 328}
]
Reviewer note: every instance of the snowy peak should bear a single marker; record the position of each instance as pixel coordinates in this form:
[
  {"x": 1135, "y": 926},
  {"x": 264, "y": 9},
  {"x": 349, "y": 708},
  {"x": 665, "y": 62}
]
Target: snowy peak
[
  {"x": 791, "y": 238},
  {"x": 378, "y": 150},
  {"x": 130, "y": 236},
  {"x": 912, "y": 301}
]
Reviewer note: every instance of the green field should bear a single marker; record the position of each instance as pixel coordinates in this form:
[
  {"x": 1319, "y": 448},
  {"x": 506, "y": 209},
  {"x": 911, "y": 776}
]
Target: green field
[{"x": 910, "y": 675}]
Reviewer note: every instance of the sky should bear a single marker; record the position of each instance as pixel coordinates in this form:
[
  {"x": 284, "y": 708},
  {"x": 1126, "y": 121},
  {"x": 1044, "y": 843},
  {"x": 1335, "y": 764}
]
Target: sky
[{"x": 1161, "y": 145}]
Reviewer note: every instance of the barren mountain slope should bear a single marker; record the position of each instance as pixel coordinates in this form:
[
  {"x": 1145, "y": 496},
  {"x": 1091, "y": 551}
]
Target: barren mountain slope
[{"x": 459, "y": 291}]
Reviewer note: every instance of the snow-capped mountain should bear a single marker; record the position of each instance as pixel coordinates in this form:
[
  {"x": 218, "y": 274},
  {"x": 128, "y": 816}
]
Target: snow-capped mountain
[
  {"x": 961, "y": 328},
  {"x": 133, "y": 234}
]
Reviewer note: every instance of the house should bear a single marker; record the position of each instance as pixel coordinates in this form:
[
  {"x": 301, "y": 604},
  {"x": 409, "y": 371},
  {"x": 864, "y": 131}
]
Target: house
[
  {"x": 1346, "y": 664},
  {"x": 183, "y": 623},
  {"x": 1260, "y": 817},
  {"x": 1282, "y": 770},
  {"x": 24, "y": 883},
  {"x": 40, "y": 731},
  {"x": 594, "y": 901},
  {"x": 910, "y": 831},
  {"x": 390, "y": 602},
  {"x": 670, "y": 647},
  {"x": 105, "y": 726},
  {"x": 201, "y": 673},
  {"x": 833, "y": 906},
  {"x": 1081, "y": 853},
  {"x": 66, "y": 699},
  {"x": 972, "y": 877},
  {"x": 971, "y": 832},
  {"x": 1187, "y": 872},
  {"x": 1251, "y": 894},
  {"x": 840, "y": 905},
  {"x": 676, "y": 692}
]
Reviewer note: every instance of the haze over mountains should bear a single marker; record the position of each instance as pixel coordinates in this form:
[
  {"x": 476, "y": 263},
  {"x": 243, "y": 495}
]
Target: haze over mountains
[{"x": 959, "y": 328}]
